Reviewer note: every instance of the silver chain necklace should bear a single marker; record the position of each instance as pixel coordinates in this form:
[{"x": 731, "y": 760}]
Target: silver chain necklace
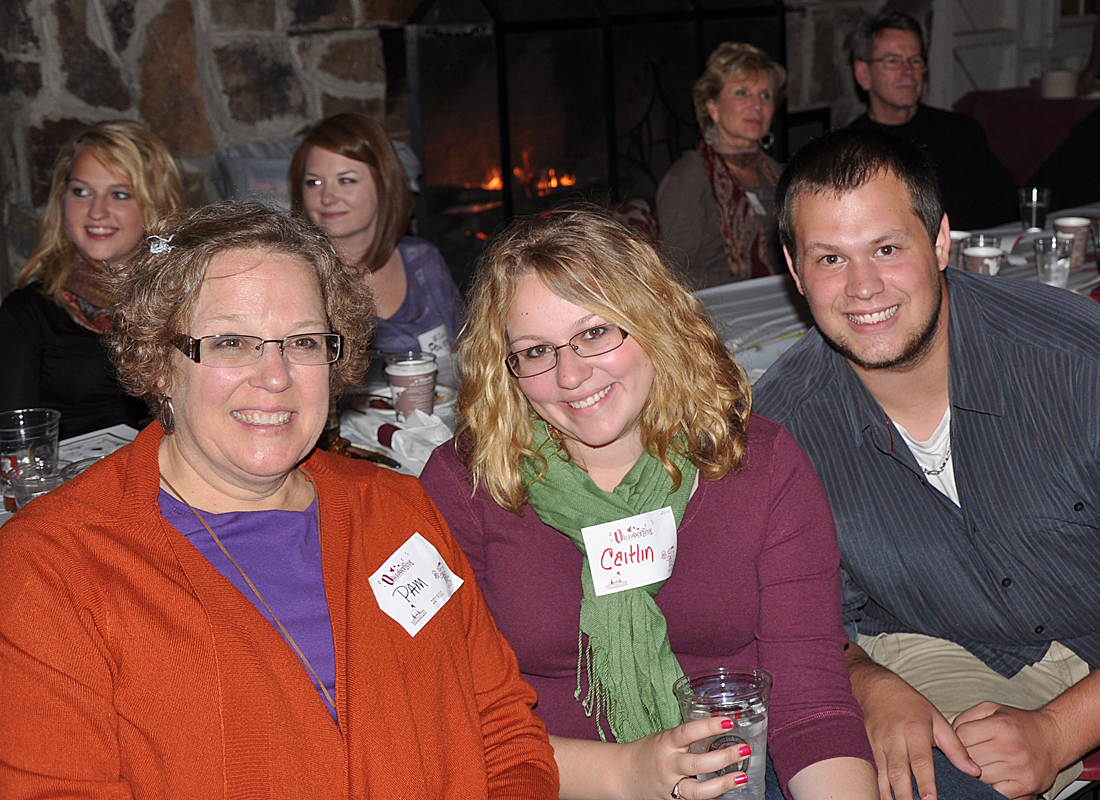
[{"x": 942, "y": 466}]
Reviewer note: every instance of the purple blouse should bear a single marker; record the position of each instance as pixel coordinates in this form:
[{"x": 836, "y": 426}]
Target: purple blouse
[
  {"x": 280, "y": 551},
  {"x": 755, "y": 585}
]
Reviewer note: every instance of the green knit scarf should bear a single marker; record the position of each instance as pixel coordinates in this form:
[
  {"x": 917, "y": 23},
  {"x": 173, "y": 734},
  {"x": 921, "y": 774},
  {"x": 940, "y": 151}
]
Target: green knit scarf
[{"x": 630, "y": 663}]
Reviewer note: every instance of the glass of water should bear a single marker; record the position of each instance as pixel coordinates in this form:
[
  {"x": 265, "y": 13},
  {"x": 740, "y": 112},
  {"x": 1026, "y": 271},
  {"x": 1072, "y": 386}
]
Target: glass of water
[{"x": 742, "y": 696}]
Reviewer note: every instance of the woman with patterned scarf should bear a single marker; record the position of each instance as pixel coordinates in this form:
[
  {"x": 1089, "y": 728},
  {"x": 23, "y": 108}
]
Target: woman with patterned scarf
[
  {"x": 596, "y": 393},
  {"x": 715, "y": 205},
  {"x": 109, "y": 182}
]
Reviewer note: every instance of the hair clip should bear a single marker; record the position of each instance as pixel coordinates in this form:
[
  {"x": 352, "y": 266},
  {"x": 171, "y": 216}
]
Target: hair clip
[{"x": 158, "y": 245}]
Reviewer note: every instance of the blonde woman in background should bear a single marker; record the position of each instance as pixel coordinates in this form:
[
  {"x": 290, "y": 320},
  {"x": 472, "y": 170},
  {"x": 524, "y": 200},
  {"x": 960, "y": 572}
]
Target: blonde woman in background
[
  {"x": 715, "y": 205},
  {"x": 109, "y": 183}
]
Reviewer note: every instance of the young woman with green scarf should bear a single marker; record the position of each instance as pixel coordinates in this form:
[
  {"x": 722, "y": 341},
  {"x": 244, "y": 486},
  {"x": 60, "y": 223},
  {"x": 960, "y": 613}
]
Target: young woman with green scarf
[{"x": 595, "y": 391}]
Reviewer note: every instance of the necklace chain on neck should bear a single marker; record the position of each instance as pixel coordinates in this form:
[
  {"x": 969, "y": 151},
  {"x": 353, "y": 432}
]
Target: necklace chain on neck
[
  {"x": 286, "y": 634},
  {"x": 942, "y": 466}
]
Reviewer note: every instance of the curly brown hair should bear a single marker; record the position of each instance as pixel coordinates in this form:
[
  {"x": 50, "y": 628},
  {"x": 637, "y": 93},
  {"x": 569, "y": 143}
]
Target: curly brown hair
[
  {"x": 155, "y": 292},
  {"x": 700, "y": 397}
]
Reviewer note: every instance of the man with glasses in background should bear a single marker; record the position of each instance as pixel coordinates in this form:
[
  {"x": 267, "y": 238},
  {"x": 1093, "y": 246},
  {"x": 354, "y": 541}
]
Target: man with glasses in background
[{"x": 890, "y": 62}]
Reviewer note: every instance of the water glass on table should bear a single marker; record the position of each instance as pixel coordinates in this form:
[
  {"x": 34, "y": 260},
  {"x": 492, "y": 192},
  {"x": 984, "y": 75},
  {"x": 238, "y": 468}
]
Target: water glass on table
[
  {"x": 1052, "y": 259},
  {"x": 1034, "y": 202},
  {"x": 742, "y": 696},
  {"x": 38, "y": 478},
  {"x": 26, "y": 435}
]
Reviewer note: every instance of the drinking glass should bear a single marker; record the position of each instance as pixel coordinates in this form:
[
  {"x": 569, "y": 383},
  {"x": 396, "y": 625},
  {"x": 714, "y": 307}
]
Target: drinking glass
[
  {"x": 37, "y": 478},
  {"x": 1034, "y": 203},
  {"x": 26, "y": 435},
  {"x": 742, "y": 696},
  {"x": 1052, "y": 259}
]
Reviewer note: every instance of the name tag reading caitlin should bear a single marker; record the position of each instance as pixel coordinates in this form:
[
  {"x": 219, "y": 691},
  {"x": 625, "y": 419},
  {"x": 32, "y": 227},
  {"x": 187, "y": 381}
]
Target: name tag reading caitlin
[
  {"x": 631, "y": 552},
  {"x": 413, "y": 584}
]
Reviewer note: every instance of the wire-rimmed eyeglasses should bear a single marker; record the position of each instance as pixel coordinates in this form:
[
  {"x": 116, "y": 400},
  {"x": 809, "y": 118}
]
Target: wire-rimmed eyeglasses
[
  {"x": 541, "y": 358},
  {"x": 894, "y": 63},
  {"x": 233, "y": 350}
]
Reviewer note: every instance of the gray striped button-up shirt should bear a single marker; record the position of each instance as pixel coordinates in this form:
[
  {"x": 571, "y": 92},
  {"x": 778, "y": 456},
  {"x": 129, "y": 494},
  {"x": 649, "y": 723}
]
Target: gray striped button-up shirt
[{"x": 1018, "y": 564}]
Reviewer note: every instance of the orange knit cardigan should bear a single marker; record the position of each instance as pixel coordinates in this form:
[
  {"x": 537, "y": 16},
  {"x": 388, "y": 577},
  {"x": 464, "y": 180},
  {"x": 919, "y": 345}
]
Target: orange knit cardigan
[{"x": 129, "y": 667}]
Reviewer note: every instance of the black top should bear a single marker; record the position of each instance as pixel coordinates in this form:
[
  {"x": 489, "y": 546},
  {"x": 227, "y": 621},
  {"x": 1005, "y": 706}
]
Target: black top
[
  {"x": 976, "y": 189},
  {"x": 49, "y": 361}
]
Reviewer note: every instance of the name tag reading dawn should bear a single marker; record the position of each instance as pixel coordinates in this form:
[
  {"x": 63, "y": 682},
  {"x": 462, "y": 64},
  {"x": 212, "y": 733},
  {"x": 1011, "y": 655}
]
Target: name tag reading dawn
[
  {"x": 414, "y": 583},
  {"x": 631, "y": 552}
]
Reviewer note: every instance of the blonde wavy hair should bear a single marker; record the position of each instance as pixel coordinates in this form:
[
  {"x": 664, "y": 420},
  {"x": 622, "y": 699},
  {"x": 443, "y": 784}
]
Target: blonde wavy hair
[
  {"x": 700, "y": 399},
  {"x": 733, "y": 61},
  {"x": 129, "y": 150},
  {"x": 155, "y": 292}
]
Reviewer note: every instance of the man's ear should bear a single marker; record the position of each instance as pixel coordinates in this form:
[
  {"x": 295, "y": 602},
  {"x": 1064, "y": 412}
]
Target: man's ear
[
  {"x": 863, "y": 74},
  {"x": 943, "y": 243},
  {"x": 794, "y": 270}
]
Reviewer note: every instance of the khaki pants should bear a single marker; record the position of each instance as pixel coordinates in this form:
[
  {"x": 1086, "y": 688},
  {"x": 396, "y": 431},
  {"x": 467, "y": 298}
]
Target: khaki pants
[{"x": 954, "y": 680}]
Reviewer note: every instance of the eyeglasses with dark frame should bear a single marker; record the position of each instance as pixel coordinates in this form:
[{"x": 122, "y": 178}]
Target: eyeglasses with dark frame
[
  {"x": 234, "y": 350},
  {"x": 540, "y": 358},
  {"x": 894, "y": 63}
]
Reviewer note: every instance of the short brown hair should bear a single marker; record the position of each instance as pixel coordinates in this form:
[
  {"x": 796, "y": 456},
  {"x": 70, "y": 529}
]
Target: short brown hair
[
  {"x": 360, "y": 138},
  {"x": 155, "y": 292},
  {"x": 700, "y": 400},
  {"x": 845, "y": 159},
  {"x": 732, "y": 61},
  {"x": 129, "y": 150}
]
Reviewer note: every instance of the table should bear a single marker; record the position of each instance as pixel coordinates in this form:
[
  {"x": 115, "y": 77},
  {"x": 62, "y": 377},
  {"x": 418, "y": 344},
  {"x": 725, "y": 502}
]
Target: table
[{"x": 1022, "y": 127}]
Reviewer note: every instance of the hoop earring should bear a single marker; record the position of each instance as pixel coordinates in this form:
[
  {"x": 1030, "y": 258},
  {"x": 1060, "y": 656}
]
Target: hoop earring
[
  {"x": 553, "y": 433},
  {"x": 767, "y": 140},
  {"x": 166, "y": 416}
]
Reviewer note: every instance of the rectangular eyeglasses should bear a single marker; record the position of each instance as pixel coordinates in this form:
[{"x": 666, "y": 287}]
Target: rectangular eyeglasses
[
  {"x": 233, "y": 350},
  {"x": 541, "y": 358},
  {"x": 894, "y": 63}
]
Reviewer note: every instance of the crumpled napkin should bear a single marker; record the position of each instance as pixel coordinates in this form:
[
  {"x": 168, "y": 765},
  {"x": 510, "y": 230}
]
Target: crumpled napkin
[{"x": 411, "y": 441}]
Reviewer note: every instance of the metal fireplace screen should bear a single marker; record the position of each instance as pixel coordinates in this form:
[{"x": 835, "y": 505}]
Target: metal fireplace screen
[{"x": 516, "y": 107}]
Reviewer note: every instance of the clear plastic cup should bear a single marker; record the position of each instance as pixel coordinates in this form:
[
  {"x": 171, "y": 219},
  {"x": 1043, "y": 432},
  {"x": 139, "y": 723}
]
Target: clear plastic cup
[
  {"x": 742, "y": 696},
  {"x": 1052, "y": 259},
  {"x": 38, "y": 478},
  {"x": 26, "y": 435}
]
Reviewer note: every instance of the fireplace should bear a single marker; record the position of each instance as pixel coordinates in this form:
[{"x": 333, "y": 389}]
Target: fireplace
[{"x": 516, "y": 107}]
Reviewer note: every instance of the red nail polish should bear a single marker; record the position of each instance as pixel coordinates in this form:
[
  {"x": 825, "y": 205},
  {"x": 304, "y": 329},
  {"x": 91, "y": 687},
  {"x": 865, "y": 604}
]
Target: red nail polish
[
  {"x": 745, "y": 750},
  {"x": 740, "y": 780},
  {"x": 727, "y": 724}
]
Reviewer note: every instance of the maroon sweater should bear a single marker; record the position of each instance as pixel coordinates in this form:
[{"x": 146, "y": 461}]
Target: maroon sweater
[{"x": 755, "y": 585}]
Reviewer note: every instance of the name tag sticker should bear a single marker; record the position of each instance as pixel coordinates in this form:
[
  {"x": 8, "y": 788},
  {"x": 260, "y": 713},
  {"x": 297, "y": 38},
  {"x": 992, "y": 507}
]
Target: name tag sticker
[
  {"x": 414, "y": 583},
  {"x": 436, "y": 341},
  {"x": 631, "y": 552}
]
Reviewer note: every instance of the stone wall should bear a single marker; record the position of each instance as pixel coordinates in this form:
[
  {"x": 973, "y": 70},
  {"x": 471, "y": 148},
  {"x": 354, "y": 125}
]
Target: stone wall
[
  {"x": 210, "y": 74},
  {"x": 203, "y": 74}
]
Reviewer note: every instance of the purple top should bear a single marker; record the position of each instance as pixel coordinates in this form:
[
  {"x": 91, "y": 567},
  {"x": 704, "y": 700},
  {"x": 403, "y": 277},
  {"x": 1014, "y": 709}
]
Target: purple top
[
  {"x": 755, "y": 585},
  {"x": 433, "y": 312},
  {"x": 280, "y": 551}
]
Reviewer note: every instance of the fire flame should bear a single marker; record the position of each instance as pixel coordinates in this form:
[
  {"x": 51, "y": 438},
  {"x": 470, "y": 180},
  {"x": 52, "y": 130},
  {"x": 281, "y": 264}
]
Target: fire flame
[
  {"x": 492, "y": 182},
  {"x": 534, "y": 181}
]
